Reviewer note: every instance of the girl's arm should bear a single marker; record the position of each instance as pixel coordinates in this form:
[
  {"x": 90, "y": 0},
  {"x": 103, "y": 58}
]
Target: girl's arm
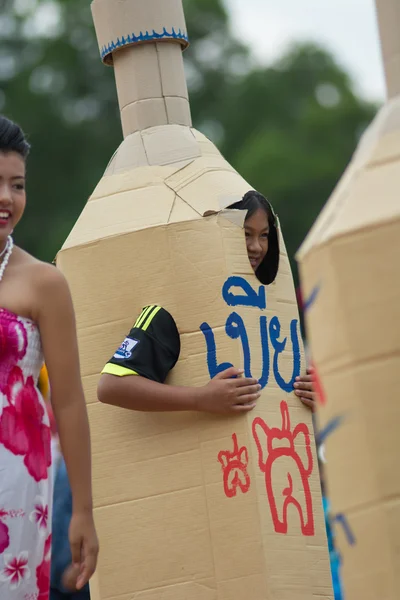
[
  {"x": 56, "y": 320},
  {"x": 228, "y": 392}
]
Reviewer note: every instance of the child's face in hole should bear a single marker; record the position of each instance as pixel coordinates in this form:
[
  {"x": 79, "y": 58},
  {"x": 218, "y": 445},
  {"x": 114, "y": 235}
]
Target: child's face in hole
[{"x": 256, "y": 230}]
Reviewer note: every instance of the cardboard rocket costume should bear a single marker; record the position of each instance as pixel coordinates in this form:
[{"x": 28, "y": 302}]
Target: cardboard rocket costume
[
  {"x": 188, "y": 506},
  {"x": 350, "y": 271}
]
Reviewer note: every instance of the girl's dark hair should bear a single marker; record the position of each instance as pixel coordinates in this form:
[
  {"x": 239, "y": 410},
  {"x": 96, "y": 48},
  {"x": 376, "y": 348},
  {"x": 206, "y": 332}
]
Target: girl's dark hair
[
  {"x": 253, "y": 201},
  {"x": 12, "y": 138}
]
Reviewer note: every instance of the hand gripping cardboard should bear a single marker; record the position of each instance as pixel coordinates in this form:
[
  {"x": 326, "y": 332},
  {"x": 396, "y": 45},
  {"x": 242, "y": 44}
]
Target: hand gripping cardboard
[
  {"x": 188, "y": 506},
  {"x": 350, "y": 274}
]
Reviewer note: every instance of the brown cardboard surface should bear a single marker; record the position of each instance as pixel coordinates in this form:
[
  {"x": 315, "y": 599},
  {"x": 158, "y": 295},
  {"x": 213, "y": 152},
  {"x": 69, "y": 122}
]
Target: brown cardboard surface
[
  {"x": 388, "y": 12},
  {"x": 173, "y": 521},
  {"x": 150, "y": 470},
  {"x": 121, "y": 23},
  {"x": 150, "y": 81},
  {"x": 350, "y": 274}
]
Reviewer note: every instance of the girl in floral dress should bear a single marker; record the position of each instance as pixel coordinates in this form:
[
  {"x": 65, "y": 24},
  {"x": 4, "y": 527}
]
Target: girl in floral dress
[{"x": 36, "y": 324}]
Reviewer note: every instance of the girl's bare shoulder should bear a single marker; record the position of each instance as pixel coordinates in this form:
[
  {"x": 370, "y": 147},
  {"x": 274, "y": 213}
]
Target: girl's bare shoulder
[
  {"x": 32, "y": 286},
  {"x": 41, "y": 274}
]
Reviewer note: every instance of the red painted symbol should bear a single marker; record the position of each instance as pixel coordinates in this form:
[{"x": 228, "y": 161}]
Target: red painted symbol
[
  {"x": 234, "y": 467},
  {"x": 318, "y": 386},
  {"x": 276, "y": 450}
]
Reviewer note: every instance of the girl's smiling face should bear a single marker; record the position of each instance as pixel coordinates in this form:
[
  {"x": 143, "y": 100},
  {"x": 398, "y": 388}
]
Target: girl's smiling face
[
  {"x": 12, "y": 192},
  {"x": 256, "y": 230}
]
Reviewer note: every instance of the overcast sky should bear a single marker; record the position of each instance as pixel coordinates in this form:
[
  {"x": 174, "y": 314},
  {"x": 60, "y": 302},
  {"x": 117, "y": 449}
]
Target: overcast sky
[{"x": 346, "y": 27}]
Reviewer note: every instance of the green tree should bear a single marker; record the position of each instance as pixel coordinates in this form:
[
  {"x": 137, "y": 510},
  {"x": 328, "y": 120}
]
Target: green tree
[{"x": 299, "y": 124}]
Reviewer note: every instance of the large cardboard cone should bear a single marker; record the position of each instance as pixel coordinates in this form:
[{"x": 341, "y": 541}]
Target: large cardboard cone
[
  {"x": 350, "y": 271},
  {"x": 188, "y": 506}
]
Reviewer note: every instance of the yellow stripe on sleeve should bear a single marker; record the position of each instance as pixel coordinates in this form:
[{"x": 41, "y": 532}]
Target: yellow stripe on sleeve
[
  {"x": 150, "y": 318},
  {"x": 143, "y": 315},
  {"x": 111, "y": 369}
]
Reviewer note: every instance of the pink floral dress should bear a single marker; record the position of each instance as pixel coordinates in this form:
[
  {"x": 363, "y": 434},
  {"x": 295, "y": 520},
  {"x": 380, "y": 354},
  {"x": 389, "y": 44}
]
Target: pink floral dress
[{"x": 25, "y": 464}]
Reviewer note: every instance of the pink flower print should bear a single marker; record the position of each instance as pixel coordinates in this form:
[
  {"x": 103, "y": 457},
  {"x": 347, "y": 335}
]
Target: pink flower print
[
  {"x": 15, "y": 569},
  {"x": 4, "y": 533},
  {"x": 13, "y": 345},
  {"x": 22, "y": 430},
  {"x": 43, "y": 572},
  {"x": 40, "y": 514},
  {"x": 47, "y": 548},
  {"x": 4, "y": 537}
]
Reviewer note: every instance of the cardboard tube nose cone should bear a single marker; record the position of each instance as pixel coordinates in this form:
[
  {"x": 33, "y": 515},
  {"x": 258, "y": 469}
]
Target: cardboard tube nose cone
[
  {"x": 151, "y": 87},
  {"x": 122, "y": 23}
]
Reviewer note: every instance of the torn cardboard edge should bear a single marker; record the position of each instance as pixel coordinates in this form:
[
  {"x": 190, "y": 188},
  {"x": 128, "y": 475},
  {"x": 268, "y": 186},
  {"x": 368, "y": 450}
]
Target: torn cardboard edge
[{"x": 236, "y": 217}]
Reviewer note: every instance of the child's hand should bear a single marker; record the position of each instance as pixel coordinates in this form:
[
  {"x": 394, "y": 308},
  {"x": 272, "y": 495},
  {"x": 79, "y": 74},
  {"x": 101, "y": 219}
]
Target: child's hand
[
  {"x": 70, "y": 578},
  {"x": 228, "y": 392},
  {"x": 304, "y": 390},
  {"x": 84, "y": 547}
]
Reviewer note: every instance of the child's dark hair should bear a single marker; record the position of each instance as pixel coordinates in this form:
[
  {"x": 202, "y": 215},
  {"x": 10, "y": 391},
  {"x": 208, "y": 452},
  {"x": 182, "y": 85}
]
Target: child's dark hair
[
  {"x": 12, "y": 138},
  {"x": 253, "y": 201}
]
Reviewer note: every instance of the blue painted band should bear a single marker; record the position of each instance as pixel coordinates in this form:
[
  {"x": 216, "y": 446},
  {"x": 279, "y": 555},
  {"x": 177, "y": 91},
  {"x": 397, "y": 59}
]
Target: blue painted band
[
  {"x": 329, "y": 429},
  {"x": 312, "y": 298},
  {"x": 143, "y": 37}
]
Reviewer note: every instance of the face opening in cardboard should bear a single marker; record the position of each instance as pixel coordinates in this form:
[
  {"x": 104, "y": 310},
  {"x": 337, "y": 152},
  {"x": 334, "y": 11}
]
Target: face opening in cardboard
[{"x": 252, "y": 202}]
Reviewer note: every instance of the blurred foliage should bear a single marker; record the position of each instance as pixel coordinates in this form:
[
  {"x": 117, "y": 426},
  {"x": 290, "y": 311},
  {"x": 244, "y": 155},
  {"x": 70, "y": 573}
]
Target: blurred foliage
[{"x": 289, "y": 128}]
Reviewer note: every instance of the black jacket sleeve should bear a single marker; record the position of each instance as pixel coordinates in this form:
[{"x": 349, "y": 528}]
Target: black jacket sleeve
[{"x": 151, "y": 348}]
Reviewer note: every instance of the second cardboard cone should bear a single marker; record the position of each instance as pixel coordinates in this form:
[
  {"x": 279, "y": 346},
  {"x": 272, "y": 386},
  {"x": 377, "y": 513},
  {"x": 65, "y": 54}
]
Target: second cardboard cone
[{"x": 350, "y": 271}]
